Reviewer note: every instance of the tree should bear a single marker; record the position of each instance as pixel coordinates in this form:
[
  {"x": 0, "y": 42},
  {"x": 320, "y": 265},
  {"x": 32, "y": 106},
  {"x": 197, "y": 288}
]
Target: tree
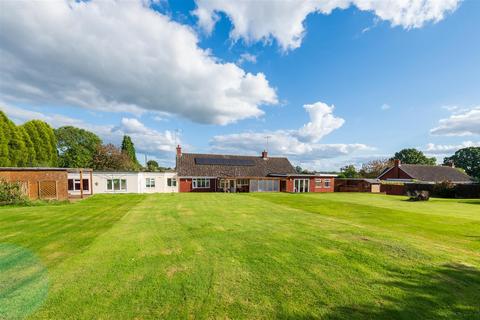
[
  {"x": 4, "y": 160},
  {"x": 468, "y": 159},
  {"x": 44, "y": 142},
  {"x": 129, "y": 149},
  {"x": 348, "y": 172},
  {"x": 110, "y": 158},
  {"x": 29, "y": 147},
  {"x": 152, "y": 165},
  {"x": 413, "y": 156},
  {"x": 12, "y": 146},
  {"x": 374, "y": 168},
  {"x": 76, "y": 147}
]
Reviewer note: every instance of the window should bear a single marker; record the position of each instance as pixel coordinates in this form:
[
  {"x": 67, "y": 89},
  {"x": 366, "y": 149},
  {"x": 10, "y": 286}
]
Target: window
[
  {"x": 116, "y": 185},
  {"x": 200, "y": 183},
  {"x": 242, "y": 182},
  {"x": 264, "y": 185},
  {"x": 327, "y": 183},
  {"x": 150, "y": 182},
  {"x": 74, "y": 184},
  {"x": 171, "y": 182},
  {"x": 318, "y": 183}
]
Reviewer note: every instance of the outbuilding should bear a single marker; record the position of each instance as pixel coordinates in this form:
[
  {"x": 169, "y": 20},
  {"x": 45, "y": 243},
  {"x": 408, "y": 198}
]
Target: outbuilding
[
  {"x": 357, "y": 185},
  {"x": 39, "y": 183}
]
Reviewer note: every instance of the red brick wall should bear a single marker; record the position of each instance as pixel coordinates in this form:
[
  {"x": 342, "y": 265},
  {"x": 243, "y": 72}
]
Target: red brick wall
[
  {"x": 186, "y": 186},
  {"x": 313, "y": 188},
  {"x": 33, "y": 177},
  {"x": 395, "y": 173}
]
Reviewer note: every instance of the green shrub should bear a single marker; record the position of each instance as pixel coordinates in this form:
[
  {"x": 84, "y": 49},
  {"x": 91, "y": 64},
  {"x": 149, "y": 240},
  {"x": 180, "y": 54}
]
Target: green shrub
[
  {"x": 11, "y": 193},
  {"x": 444, "y": 189}
]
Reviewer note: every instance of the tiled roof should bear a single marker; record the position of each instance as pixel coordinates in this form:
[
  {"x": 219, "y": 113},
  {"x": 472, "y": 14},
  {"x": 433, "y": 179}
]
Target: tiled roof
[
  {"x": 187, "y": 167},
  {"x": 434, "y": 173}
]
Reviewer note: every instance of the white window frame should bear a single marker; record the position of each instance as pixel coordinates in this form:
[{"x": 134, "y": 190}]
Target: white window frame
[
  {"x": 121, "y": 182},
  {"x": 326, "y": 183},
  {"x": 171, "y": 182},
  {"x": 75, "y": 181},
  {"x": 200, "y": 183},
  {"x": 318, "y": 182},
  {"x": 150, "y": 182}
]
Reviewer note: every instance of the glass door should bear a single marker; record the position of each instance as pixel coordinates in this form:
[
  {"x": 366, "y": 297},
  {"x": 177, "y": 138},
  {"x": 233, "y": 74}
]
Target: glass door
[{"x": 301, "y": 185}]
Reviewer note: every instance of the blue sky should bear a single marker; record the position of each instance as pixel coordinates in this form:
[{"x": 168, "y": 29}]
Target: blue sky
[{"x": 375, "y": 79}]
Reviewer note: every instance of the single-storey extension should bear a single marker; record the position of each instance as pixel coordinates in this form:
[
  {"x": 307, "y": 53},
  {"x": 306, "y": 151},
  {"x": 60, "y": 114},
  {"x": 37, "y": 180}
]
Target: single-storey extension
[
  {"x": 234, "y": 173},
  {"x": 134, "y": 182},
  {"x": 423, "y": 173},
  {"x": 39, "y": 183}
]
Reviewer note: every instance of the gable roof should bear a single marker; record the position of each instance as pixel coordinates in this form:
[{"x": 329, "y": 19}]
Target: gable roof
[
  {"x": 433, "y": 173},
  {"x": 190, "y": 165}
]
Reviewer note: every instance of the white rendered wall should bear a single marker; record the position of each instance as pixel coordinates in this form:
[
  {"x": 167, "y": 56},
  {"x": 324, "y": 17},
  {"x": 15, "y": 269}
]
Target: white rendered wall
[
  {"x": 136, "y": 182},
  {"x": 76, "y": 175}
]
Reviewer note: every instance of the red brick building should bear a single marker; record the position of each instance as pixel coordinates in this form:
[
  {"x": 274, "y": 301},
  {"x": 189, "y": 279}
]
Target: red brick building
[
  {"x": 39, "y": 183},
  {"x": 234, "y": 173},
  {"x": 424, "y": 173}
]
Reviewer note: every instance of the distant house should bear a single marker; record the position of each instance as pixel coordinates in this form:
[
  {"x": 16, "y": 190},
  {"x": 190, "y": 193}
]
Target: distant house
[
  {"x": 236, "y": 173},
  {"x": 423, "y": 173}
]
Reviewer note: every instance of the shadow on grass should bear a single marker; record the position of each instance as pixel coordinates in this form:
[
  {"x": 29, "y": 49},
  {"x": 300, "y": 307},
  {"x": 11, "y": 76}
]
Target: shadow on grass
[
  {"x": 450, "y": 292},
  {"x": 477, "y": 202}
]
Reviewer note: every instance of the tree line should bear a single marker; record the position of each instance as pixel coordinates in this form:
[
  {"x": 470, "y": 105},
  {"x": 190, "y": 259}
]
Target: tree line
[{"x": 36, "y": 144}]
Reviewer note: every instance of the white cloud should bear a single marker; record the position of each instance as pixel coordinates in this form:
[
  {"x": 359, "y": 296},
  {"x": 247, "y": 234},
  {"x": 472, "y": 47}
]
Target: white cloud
[
  {"x": 322, "y": 122},
  {"x": 247, "y": 57},
  {"x": 300, "y": 145},
  {"x": 119, "y": 56},
  {"x": 447, "y": 149},
  {"x": 284, "y": 20},
  {"x": 147, "y": 140},
  {"x": 460, "y": 123}
]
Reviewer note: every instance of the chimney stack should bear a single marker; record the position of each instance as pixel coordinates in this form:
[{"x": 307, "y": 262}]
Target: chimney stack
[
  {"x": 397, "y": 163},
  {"x": 264, "y": 154},
  {"x": 179, "y": 151}
]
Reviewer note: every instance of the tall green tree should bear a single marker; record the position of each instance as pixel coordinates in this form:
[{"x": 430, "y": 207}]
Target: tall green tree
[
  {"x": 4, "y": 139},
  {"x": 413, "y": 156},
  {"x": 468, "y": 159},
  {"x": 30, "y": 156},
  {"x": 44, "y": 142},
  {"x": 128, "y": 148},
  {"x": 76, "y": 147},
  {"x": 13, "y": 151}
]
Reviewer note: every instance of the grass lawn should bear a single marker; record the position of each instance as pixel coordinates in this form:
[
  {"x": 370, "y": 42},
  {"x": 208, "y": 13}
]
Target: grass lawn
[{"x": 293, "y": 256}]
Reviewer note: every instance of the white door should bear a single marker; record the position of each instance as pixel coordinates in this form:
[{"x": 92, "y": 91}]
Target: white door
[{"x": 301, "y": 185}]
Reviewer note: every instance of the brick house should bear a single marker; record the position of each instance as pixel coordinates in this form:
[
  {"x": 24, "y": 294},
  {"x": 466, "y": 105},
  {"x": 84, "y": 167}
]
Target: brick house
[
  {"x": 39, "y": 183},
  {"x": 423, "y": 173},
  {"x": 234, "y": 173}
]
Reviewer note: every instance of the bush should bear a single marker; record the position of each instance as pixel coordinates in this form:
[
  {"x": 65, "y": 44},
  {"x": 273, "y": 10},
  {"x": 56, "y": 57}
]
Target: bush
[
  {"x": 11, "y": 193},
  {"x": 445, "y": 189},
  {"x": 419, "y": 195}
]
